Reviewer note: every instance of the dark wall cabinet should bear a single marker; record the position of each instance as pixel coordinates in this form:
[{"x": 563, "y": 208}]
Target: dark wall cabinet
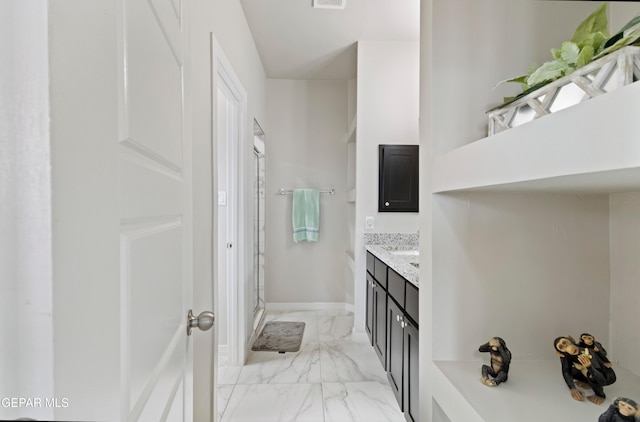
[
  {"x": 392, "y": 312},
  {"x": 398, "y": 178}
]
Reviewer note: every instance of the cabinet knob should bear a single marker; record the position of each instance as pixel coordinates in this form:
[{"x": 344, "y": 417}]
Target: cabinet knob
[{"x": 386, "y": 204}]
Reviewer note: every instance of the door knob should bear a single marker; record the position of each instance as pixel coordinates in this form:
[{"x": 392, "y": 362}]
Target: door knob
[{"x": 204, "y": 321}]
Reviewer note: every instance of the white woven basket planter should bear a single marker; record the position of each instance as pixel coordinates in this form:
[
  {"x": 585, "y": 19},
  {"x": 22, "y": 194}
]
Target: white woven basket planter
[{"x": 604, "y": 75}]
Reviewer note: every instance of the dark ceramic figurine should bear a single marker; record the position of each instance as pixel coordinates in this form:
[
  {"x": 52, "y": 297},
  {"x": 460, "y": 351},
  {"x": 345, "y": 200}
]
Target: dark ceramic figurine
[
  {"x": 588, "y": 341},
  {"x": 500, "y": 359},
  {"x": 583, "y": 368},
  {"x": 621, "y": 410}
]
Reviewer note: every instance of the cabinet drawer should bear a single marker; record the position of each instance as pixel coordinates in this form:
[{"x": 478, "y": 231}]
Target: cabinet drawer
[
  {"x": 411, "y": 306},
  {"x": 371, "y": 263},
  {"x": 380, "y": 273},
  {"x": 395, "y": 287}
]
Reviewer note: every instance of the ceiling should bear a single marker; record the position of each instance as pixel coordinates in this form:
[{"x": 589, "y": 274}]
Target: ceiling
[{"x": 297, "y": 41}]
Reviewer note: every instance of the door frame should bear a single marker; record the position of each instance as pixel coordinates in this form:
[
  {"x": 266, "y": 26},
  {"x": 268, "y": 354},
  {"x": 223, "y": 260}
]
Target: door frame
[{"x": 236, "y": 286}]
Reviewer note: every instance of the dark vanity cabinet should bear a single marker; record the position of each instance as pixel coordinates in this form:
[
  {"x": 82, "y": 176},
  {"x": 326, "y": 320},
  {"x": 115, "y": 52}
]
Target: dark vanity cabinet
[
  {"x": 398, "y": 178},
  {"x": 368, "y": 322},
  {"x": 411, "y": 399},
  {"x": 395, "y": 350},
  {"x": 410, "y": 365},
  {"x": 391, "y": 322},
  {"x": 375, "y": 321}
]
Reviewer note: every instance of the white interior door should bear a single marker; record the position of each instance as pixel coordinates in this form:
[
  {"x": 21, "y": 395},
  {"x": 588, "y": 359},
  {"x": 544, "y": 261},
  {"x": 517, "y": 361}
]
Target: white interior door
[
  {"x": 122, "y": 195},
  {"x": 155, "y": 215}
]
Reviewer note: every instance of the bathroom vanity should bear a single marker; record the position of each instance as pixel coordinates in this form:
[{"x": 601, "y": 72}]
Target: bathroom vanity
[{"x": 392, "y": 316}]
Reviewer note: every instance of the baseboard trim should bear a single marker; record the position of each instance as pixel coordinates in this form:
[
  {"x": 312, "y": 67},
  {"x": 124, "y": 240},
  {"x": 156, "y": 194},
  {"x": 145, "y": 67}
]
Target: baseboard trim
[
  {"x": 310, "y": 306},
  {"x": 361, "y": 337}
]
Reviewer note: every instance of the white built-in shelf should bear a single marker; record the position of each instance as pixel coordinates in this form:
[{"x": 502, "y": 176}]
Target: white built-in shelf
[
  {"x": 351, "y": 195},
  {"x": 592, "y": 147},
  {"x": 535, "y": 391},
  {"x": 351, "y": 132}
]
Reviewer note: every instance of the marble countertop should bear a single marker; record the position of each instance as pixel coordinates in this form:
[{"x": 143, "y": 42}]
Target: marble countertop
[{"x": 402, "y": 264}]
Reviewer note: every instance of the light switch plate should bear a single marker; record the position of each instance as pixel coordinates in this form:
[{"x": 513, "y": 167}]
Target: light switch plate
[
  {"x": 222, "y": 197},
  {"x": 369, "y": 222}
]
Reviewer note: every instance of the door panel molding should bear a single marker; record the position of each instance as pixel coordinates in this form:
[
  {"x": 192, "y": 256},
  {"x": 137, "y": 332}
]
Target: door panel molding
[
  {"x": 156, "y": 378},
  {"x": 151, "y": 118},
  {"x": 168, "y": 21},
  {"x": 147, "y": 157}
]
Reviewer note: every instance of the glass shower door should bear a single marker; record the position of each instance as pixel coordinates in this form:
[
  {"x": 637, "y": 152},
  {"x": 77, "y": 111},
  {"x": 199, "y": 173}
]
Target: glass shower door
[{"x": 259, "y": 225}]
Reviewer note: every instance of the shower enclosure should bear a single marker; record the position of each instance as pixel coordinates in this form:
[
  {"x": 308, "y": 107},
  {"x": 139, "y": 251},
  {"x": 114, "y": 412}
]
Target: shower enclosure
[{"x": 258, "y": 224}]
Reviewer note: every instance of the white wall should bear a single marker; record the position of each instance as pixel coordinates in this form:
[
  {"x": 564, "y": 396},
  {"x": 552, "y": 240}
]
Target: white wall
[
  {"x": 387, "y": 113},
  {"x": 625, "y": 273},
  {"x": 83, "y": 57},
  {"x": 307, "y": 125},
  {"x": 26, "y": 349}
]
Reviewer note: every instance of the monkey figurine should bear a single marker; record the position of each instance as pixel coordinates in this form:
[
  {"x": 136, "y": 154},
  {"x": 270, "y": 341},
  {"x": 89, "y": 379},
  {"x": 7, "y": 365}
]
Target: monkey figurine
[
  {"x": 587, "y": 340},
  {"x": 498, "y": 372},
  {"x": 580, "y": 366},
  {"x": 621, "y": 410}
]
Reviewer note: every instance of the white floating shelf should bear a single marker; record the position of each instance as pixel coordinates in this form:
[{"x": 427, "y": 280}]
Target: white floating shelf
[
  {"x": 535, "y": 391},
  {"x": 592, "y": 147}
]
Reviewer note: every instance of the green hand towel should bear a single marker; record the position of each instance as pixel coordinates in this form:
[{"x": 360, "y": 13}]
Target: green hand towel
[{"x": 306, "y": 215}]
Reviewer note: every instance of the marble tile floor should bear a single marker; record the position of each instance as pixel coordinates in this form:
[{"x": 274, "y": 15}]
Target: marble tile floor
[{"x": 335, "y": 377}]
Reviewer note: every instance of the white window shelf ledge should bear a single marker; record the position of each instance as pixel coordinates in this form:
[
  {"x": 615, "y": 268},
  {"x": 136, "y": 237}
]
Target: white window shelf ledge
[
  {"x": 535, "y": 391},
  {"x": 592, "y": 147}
]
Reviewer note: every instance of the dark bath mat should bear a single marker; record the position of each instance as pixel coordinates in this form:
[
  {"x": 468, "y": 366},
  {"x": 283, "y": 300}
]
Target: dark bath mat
[{"x": 279, "y": 336}]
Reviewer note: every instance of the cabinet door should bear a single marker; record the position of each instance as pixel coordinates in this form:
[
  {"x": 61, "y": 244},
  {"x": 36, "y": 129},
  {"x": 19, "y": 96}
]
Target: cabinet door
[
  {"x": 380, "y": 273},
  {"x": 380, "y": 323},
  {"x": 412, "y": 302},
  {"x": 369, "y": 320},
  {"x": 395, "y": 355},
  {"x": 411, "y": 375},
  {"x": 398, "y": 178},
  {"x": 371, "y": 263}
]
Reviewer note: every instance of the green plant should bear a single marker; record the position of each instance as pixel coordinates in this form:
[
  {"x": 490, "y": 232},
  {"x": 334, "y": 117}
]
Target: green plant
[{"x": 590, "y": 41}]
